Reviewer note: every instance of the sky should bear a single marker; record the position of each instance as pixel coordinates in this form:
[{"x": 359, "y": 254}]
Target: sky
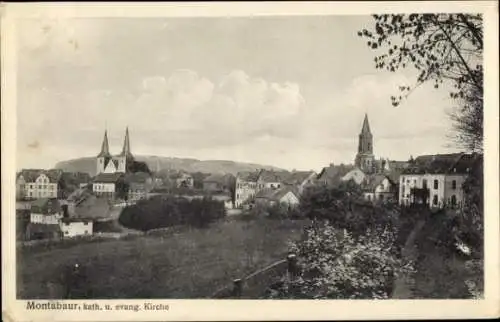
[{"x": 285, "y": 91}]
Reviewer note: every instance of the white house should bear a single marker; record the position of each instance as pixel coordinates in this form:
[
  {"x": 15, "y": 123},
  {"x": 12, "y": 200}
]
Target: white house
[
  {"x": 269, "y": 180},
  {"x": 301, "y": 180},
  {"x": 107, "y": 184},
  {"x": 246, "y": 187},
  {"x": 379, "y": 188},
  {"x": 356, "y": 175},
  {"x": 72, "y": 227},
  {"x": 283, "y": 196},
  {"x": 436, "y": 180},
  {"x": 45, "y": 211},
  {"x": 34, "y": 183}
]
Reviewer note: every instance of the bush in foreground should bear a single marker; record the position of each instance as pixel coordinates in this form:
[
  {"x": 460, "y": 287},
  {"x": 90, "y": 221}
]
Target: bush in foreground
[{"x": 335, "y": 265}]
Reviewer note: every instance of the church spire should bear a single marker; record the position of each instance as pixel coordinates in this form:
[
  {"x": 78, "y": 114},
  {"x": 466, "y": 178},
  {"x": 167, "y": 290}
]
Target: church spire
[
  {"x": 366, "y": 126},
  {"x": 105, "y": 146},
  {"x": 126, "y": 145}
]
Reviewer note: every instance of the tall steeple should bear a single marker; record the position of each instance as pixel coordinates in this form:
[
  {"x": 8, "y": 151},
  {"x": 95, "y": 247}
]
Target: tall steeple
[
  {"x": 365, "y": 159},
  {"x": 366, "y": 126},
  {"x": 126, "y": 145},
  {"x": 105, "y": 146}
]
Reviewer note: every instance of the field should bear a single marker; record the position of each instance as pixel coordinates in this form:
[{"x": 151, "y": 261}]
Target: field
[{"x": 188, "y": 263}]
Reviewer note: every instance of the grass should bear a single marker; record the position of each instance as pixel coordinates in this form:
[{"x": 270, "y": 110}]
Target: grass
[
  {"x": 440, "y": 272},
  {"x": 191, "y": 263}
]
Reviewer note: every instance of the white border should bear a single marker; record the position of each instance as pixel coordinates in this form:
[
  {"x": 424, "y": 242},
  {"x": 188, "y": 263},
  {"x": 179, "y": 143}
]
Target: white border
[{"x": 223, "y": 310}]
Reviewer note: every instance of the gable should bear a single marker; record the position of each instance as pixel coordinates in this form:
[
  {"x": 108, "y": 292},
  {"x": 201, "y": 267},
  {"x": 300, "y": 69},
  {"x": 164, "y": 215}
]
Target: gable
[
  {"x": 42, "y": 178},
  {"x": 110, "y": 167},
  {"x": 289, "y": 196}
]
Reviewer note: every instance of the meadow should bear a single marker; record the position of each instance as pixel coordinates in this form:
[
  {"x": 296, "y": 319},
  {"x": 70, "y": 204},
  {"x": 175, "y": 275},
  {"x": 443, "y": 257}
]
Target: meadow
[{"x": 178, "y": 263}]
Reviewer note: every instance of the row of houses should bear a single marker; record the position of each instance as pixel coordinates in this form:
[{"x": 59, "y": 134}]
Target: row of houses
[
  {"x": 49, "y": 218},
  {"x": 275, "y": 186},
  {"x": 433, "y": 180}
]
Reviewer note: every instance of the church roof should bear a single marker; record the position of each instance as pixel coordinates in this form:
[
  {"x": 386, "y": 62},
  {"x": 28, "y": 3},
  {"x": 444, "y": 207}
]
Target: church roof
[
  {"x": 104, "y": 147},
  {"x": 126, "y": 146},
  {"x": 108, "y": 177},
  {"x": 366, "y": 126}
]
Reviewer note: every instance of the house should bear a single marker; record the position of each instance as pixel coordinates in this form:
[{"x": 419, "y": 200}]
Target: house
[
  {"x": 139, "y": 185},
  {"x": 283, "y": 196},
  {"x": 379, "y": 188},
  {"x": 37, "y": 183},
  {"x": 72, "y": 227},
  {"x": 355, "y": 175},
  {"x": 301, "y": 180},
  {"x": 333, "y": 175},
  {"x": 184, "y": 180},
  {"x": 268, "y": 179},
  {"x": 436, "y": 180},
  {"x": 109, "y": 185},
  {"x": 246, "y": 187},
  {"x": 218, "y": 182},
  {"x": 46, "y": 211}
]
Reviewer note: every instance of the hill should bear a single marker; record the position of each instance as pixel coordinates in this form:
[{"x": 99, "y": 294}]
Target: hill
[{"x": 88, "y": 164}]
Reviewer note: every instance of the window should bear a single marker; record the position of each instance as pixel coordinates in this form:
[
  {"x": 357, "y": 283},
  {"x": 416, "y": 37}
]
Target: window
[
  {"x": 454, "y": 184},
  {"x": 424, "y": 183},
  {"x": 436, "y": 184},
  {"x": 453, "y": 200},
  {"x": 435, "y": 200},
  {"x": 414, "y": 182}
]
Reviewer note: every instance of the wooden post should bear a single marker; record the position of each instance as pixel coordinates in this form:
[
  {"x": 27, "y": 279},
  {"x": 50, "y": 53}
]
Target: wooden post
[
  {"x": 292, "y": 265},
  {"x": 237, "y": 287}
]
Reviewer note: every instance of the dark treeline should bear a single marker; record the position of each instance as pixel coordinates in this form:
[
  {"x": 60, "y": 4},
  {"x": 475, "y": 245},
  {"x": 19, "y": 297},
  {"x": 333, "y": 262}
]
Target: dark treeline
[{"x": 168, "y": 211}]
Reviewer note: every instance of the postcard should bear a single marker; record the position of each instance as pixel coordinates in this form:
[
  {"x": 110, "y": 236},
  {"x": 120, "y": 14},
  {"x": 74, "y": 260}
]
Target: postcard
[{"x": 250, "y": 161}]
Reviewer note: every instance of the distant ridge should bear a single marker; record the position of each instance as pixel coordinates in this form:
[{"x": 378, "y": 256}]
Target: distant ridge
[{"x": 88, "y": 164}]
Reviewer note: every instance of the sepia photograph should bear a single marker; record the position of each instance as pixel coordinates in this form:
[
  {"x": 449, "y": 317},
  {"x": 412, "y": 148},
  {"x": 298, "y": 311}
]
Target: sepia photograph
[{"x": 325, "y": 156}]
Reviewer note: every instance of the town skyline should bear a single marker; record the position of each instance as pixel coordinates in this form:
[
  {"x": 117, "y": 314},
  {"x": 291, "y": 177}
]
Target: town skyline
[{"x": 291, "y": 101}]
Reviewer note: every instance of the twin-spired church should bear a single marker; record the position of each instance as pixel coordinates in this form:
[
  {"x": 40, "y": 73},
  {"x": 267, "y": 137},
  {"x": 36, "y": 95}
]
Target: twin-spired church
[{"x": 121, "y": 163}]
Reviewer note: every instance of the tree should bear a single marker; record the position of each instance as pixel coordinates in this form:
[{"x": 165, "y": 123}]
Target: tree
[
  {"x": 441, "y": 47},
  {"x": 343, "y": 208},
  {"x": 335, "y": 265}
]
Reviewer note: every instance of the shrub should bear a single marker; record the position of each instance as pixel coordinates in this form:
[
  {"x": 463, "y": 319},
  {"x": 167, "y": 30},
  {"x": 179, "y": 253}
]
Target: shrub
[
  {"x": 344, "y": 209},
  {"x": 335, "y": 265}
]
